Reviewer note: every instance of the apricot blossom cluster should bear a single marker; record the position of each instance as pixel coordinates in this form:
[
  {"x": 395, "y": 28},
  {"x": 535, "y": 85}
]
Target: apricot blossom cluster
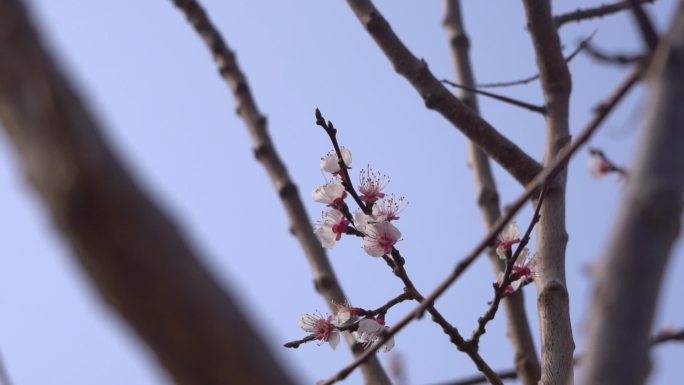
[{"x": 523, "y": 270}]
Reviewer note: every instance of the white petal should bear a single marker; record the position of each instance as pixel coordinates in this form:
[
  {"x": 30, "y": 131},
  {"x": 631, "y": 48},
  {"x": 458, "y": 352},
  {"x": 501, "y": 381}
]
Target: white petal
[
  {"x": 326, "y": 236},
  {"x": 334, "y": 339},
  {"x": 388, "y": 345},
  {"x": 501, "y": 252},
  {"x": 343, "y": 315},
  {"x": 346, "y": 156},
  {"x": 308, "y": 323},
  {"x": 510, "y": 232}
]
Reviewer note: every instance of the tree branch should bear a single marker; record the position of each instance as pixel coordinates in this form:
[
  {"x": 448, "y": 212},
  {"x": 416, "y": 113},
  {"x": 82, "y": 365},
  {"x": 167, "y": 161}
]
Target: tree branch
[
  {"x": 325, "y": 280},
  {"x": 548, "y": 173},
  {"x": 648, "y": 32},
  {"x": 526, "y": 361},
  {"x": 592, "y": 13},
  {"x": 501, "y": 98},
  {"x": 438, "y": 98},
  {"x": 134, "y": 255},
  {"x": 552, "y": 294},
  {"x": 647, "y": 227}
]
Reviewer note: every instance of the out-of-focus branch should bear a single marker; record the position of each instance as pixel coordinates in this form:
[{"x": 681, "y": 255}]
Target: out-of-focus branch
[
  {"x": 620, "y": 59},
  {"x": 520, "y": 165},
  {"x": 501, "y": 98},
  {"x": 660, "y": 338},
  {"x": 526, "y": 361},
  {"x": 557, "y": 344},
  {"x": 135, "y": 256},
  {"x": 548, "y": 173},
  {"x": 646, "y": 229},
  {"x": 4, "y": 377},
  {"x": 325, "y": 280},
  {"x": 592, "y": 13},
  {"x": 648, "y": 32},
  {"x": 582, "y": 45}
]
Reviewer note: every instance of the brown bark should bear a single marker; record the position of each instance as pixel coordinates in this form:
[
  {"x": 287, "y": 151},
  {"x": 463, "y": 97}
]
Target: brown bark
[
  {"x": 629, "y": 276},
  {"x": 526, "y": 361},
  {"x": 552, "y": 294},
  {"x": 135, "y": 256}
]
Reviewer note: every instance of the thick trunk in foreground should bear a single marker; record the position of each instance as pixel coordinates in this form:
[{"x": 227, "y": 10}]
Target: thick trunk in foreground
[
  {"x": 135, "y": 256},
  {"x": 629, "y": 276}
]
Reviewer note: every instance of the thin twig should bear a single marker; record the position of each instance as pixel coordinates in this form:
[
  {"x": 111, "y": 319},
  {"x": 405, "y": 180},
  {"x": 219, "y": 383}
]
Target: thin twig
[
  {"x": 505, "y": 99},
  {"x": 500, "y": 291},
  {"x": 547, "y": 173},
  {"x": 620, "y": 59},
  {"x": 648, "y": 32},
  {"x": 582, "y": 45},
  {"x": 592, "y": 13}
]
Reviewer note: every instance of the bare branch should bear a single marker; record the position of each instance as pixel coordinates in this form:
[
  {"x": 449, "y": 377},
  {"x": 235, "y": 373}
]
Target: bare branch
[
  {"x": 134, "y": 255},
  {"x": 526, "y": 360},
  {"x": 592, "y": 13},
  {"x": 582, "y": 45},
  {"x": 505, "y": 99},
  {"x": 438, "y": 98},
  {"x": 648, "y": 32},
  {"x": 552, "y": 294},
  {"x": 660, "y": 338},
  {"x": 620, "y": 59},
  {"x": 548, "y": 173},
  {"x": 325, "y": 280},
  {"x": 647, "y": 227}
]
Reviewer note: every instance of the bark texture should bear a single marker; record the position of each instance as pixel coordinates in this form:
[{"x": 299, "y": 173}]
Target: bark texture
[
  {"x": 526, "y": 361},
  {"x": 135, "y": 256},
  {"x": 629, "y": 276},
  {"x": 552, "y": 294}
]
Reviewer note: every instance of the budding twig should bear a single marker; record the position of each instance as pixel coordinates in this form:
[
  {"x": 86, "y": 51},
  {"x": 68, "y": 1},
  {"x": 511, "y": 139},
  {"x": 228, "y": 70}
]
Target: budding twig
[{"x": 500, "y": 291}]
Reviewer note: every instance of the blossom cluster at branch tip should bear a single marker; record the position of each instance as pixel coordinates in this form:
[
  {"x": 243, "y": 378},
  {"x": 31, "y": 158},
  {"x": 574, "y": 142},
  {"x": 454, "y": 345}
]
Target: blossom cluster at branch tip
[
  {"x": 509, "y": 236},
  {"x": 379, "y": 235},
  {"x": 522, "y": 272},
  {"x": 331, "y": 162},
  {"x": 323, "y": 328}
]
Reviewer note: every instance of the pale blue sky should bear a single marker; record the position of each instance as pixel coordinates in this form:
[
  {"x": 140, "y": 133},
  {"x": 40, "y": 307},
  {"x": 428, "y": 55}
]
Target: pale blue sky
[{"x": 157, "y": 93}]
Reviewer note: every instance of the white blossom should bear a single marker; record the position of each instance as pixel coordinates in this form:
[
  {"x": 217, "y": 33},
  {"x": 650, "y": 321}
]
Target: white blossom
[
  {"x": 331, "y": 194},
  {"x": 331, "y": 163},
  {"x": 369, "y": 330},
  {"x": 331, "y": 229},
  {"x": 599, "y": 166},
  {"x": 388, "y": 208},
  {"x": 371, "y": 186},
  {"x": 380, "y": 238},
  {"x": 323, "y": 328},
  {"x": 510, "y": 235}
]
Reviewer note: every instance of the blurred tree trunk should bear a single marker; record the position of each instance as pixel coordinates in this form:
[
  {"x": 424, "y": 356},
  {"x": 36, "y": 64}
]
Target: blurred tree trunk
[{"x": 136, "y": 257}]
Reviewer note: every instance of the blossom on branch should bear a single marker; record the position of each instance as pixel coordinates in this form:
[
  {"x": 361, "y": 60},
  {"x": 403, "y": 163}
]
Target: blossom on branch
[
  {"x": 323, "y": 328},
  {"x": 331, "y": 229},
  {"x": 331, "y": 163},
  {"x": 510, "y": 235},
  {"x": 599, "y": 166},
  {"x": 380, "y": 238},
  {"x": 388, "y": 208},
  {"x": 522, "y": 273},
  {"x": 369, "y": 330},
  {"x": 331, "y": 194},
  {"x": 371, "y": 186}
]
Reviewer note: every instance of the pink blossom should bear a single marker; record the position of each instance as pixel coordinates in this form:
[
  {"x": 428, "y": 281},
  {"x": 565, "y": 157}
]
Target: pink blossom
[
  {"x": 323, "y": 328},
  {"x": 369, "y": 330},
  {"x": 372, "y": 184},
  {"x": 388, "y": 208},
  {"x": 599, "y": 166},
  {"x": 331, "y": 229},
  {"x": 510, "y": 235},
  {"x": 522, "y": 273},
  {"x": 380, "y": 238},
  {"x": 331, "y": 194}
]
